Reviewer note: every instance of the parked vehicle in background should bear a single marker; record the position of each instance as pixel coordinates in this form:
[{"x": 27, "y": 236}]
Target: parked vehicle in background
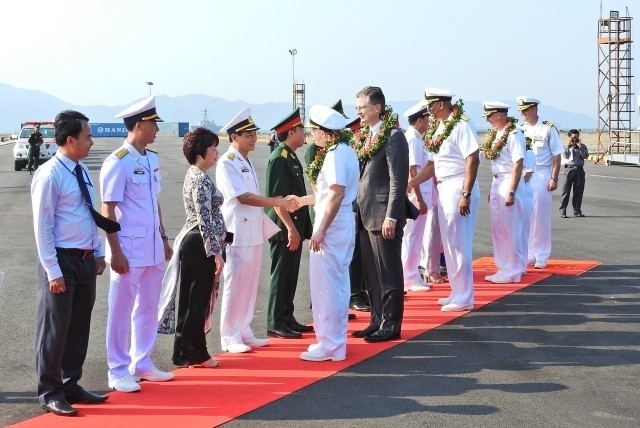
[{"x": 21, "y": 147}]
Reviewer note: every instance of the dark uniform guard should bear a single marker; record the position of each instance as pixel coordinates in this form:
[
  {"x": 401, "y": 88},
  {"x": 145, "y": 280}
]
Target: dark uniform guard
[
  {"x": 285, "y": 176},
  {"x": 35, "y": 141}
]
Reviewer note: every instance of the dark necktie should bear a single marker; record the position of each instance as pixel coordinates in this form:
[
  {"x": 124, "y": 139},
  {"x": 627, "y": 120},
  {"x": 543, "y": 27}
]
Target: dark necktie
[{"x": 102, "y": 222}]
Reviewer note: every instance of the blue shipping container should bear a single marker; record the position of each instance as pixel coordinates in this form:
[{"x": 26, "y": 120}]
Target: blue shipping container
[{"x": 183, "y": 128}]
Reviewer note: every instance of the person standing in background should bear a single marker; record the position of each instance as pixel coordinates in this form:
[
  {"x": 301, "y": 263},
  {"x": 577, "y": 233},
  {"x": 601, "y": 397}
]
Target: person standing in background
[{"x": 575, "y": 153}]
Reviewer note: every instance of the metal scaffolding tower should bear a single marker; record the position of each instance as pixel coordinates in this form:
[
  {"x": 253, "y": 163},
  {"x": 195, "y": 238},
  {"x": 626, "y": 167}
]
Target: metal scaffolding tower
[
  {"x": 299, "y": 99},
  {"x": 615, "y": 96}
]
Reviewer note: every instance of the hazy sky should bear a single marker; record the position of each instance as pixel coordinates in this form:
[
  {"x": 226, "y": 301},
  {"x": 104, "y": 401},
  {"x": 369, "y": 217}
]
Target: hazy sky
[{"x": 91, "y": 52}]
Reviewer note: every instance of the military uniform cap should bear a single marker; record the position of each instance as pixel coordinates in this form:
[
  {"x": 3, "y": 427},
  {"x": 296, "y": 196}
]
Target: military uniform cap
[
  {"x": 141, "y": 111},
  {"x": 292, "y": 120},
  {"x": 418, "y": 110},
  {"x": 491, "y": 107},
  {"x": 240, "y": 123},
  {"x": 354, "y": 125},
  {"x": 338, "y": 107},
  {"x": 322, "y": 117},
  {"x": 436, "y": 94},
  {"x": 525, "y": 102}
]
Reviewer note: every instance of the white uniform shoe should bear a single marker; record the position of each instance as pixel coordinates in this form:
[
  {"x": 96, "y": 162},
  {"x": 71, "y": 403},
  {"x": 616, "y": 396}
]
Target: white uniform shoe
[
  {"x": 421, "y": 286},
  {"x": 456, "y": 307},
  {"x": 237, "y": 348},
  {"x": 125, "y": 384},
  {"x": 318, "y": 355},
  {"x": 499, "y": 278},
  {"x": 540, "y": 265},
  {"x": 254, "y": 342},
  {"x": 153, "y": 375},
  {"x": 444, "y": 301}
]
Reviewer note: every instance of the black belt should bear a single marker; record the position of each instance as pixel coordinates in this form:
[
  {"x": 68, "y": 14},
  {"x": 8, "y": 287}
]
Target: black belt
[
  {"x": 76, "y": 252},
  {"x": 573, "y": 166}
]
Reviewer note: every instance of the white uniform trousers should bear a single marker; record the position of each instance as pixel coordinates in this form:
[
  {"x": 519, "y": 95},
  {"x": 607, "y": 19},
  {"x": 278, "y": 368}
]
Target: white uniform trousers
[
  {"x": 457, "y": 233},
  {"x": 240, "y": 290},
  {"x": 540, "y": 223},
  {"x": 506, "y": 226},
  {"x": 330, "y": 285},
  {"x": 431, "y": 242},
  {"x": 527, "y": 206},
  {"x": 412, "y": 249},
  {"x": 133, "y": 312}
]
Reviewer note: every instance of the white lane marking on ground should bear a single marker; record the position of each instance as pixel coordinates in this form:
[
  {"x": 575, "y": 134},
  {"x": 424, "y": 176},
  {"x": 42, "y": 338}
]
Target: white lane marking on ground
[{"x": 611, "y": 176}]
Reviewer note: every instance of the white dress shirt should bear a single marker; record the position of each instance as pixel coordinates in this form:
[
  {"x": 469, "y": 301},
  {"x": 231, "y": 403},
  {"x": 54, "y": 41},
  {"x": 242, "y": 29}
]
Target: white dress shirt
[{"x": 60, "y": 215}]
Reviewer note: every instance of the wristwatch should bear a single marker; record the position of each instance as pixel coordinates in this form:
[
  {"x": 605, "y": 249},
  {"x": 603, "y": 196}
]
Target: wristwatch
[
  {"x": 555, "y": 179},
  {"x": 466, "y": 194},
  {"x": 512, "y": 193}
]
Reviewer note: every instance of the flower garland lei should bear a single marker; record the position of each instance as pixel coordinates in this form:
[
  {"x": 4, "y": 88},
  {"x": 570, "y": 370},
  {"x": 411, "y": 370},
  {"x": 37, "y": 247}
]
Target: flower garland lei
[
  {"x": 433, "y": 145},
  {"x": 381, "y": 138},
  {"x": 491, "y": 147},
  {"x": 314, "y": 168}
]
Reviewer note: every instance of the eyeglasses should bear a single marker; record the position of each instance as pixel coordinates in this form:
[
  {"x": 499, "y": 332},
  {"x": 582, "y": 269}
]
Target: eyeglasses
[{"x": 360, "y": 108}]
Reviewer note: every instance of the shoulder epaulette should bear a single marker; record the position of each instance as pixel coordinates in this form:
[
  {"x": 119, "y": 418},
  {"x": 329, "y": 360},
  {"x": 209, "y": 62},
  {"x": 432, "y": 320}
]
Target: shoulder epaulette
[
  {"x": 284, "y": 154},
  {"x": 548, "y": 123},
  {"x": 335, "y": 146},
  {"x": 515, "y": 131},
  {"x": 231, "y": 156},
  {"x": 465, "y": 118},
  {"x": 152, "y": 151},
  {"x": 121, "y": 153}
]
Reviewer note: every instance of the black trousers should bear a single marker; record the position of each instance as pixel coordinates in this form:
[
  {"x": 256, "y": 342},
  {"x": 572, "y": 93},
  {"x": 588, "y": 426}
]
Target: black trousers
[
  {"x": 574, "y": 178},
  {"x": 384, "y": 277},
  {"x": 285, "y": 267},
  {"x": 63, "y": 323},
  {"x": 34, "y": 157},
  {"x": 356, "y": 276},
  {"x": 197, "y": 277}
]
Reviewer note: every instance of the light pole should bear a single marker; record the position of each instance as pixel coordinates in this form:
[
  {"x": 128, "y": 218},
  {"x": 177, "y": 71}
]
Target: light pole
[
  {"x": 150, "y": 85},
  {"x": 293, "y": 53}
]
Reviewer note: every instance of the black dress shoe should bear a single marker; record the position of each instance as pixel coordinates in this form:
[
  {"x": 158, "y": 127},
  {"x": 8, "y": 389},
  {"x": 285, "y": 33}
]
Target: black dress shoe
[
  {"x": 366, "y": 332},
  {"x": 300, "y": 328},
  {"x": 86, "y": 397},
  {"x": 360, "y": 306},
  {"x": 382, "y": 336},
  {"x": 60, "y": 408},
  {"x": 284, "y": 333},
  {"x": 351, "y": 316},
  {"x": 579, "y": 215},
  {"x": 563, "y": 215}
]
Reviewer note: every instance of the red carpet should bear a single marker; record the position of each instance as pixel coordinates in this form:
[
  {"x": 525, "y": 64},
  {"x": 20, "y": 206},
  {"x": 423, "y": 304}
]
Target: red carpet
[
  {"x": 210, "y": 397},
  {"x": 554, "y": 267}
]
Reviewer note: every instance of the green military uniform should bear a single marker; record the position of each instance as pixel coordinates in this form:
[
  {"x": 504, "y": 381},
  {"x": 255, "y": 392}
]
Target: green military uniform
[{"x": 285, "y": 176}]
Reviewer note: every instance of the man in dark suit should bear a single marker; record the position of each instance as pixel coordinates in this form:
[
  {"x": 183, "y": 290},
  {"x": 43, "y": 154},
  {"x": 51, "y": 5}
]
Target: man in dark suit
[
  {"x": 285, "y": 176},
  {"x": 384, "y": 162}
]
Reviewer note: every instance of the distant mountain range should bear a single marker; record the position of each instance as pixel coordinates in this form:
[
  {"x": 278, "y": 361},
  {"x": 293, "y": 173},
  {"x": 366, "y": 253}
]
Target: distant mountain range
[{"x": 19, "y": 105}]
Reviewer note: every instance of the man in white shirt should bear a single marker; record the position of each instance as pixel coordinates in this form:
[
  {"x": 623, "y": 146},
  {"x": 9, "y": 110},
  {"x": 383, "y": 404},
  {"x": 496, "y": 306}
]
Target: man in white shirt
[
  {"x": 70, "y": 254},
  {"x": 546, "y": 145}
]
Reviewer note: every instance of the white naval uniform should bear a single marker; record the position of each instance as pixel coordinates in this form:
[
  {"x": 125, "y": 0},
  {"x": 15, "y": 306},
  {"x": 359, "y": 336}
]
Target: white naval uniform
[
  {"x": 431, "y": 242},
  {"x": 457, "y": 230},
  {"x": 329, "y": 268},
  {"x": 133, "y": 182},
  {"x": 414, "y": 229},
  {"x": 506, "y": 221},
  {"x": 546, "y": 144},
  {"x": 529, "y": 165},
  {"x": 236, "y": 176}
]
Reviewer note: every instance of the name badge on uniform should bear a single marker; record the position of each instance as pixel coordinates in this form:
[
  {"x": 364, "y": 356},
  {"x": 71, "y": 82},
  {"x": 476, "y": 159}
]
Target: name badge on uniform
[
  {"x": 244, "y": 169},
  {"x": 138, "y": 171}
]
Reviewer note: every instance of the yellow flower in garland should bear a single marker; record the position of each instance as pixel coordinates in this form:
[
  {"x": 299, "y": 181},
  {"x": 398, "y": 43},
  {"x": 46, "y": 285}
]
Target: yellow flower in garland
[
  {"x": 433, "y": 144},
  {"x": 364, "y": 151},
  {"x": 491, "y": 147}
]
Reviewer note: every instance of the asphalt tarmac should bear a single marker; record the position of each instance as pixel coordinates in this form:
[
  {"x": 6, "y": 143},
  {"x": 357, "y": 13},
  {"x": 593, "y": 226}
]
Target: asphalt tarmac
[{"x": 563, "y": 352}]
